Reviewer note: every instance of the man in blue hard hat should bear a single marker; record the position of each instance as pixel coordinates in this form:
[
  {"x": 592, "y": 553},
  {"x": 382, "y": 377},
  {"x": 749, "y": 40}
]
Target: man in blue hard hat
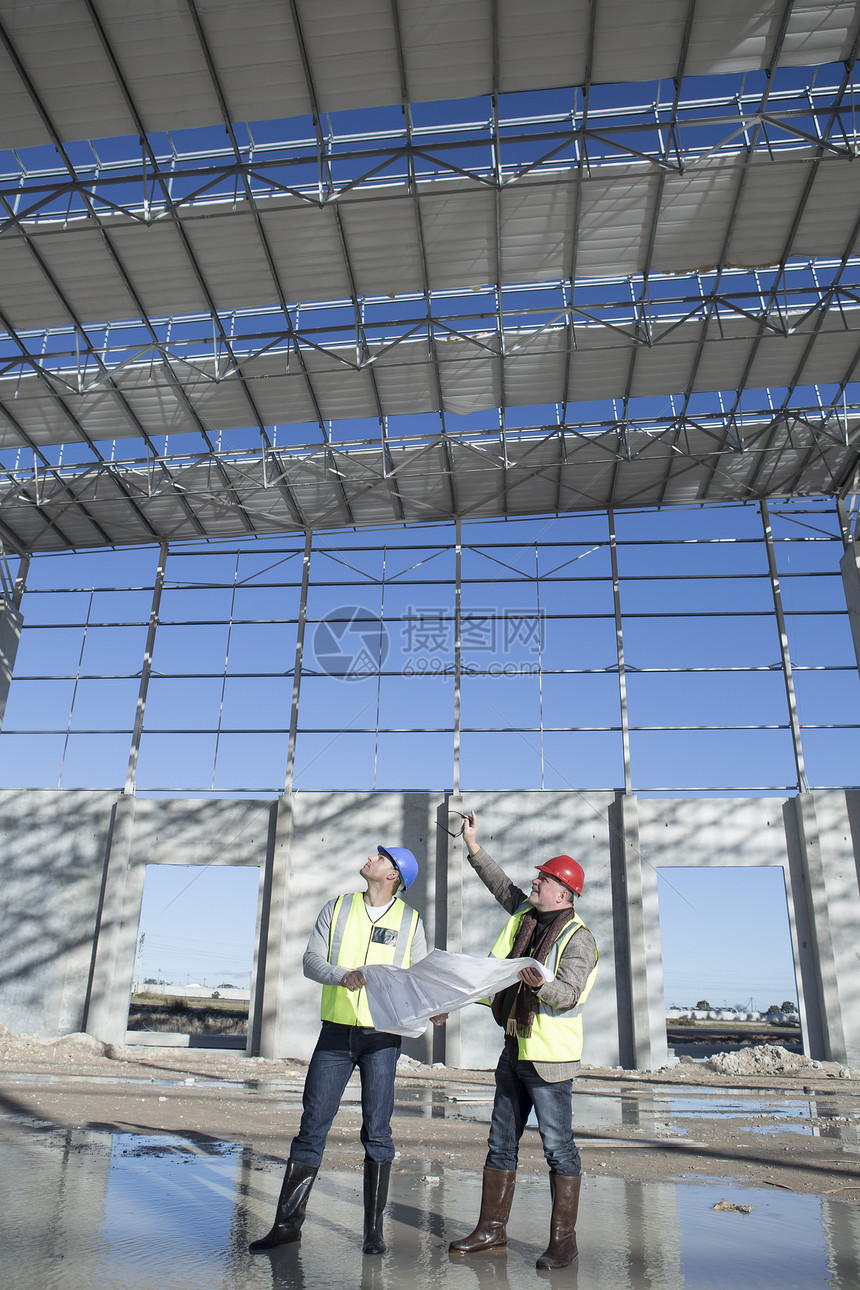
[{"x": 373, "y": 926}]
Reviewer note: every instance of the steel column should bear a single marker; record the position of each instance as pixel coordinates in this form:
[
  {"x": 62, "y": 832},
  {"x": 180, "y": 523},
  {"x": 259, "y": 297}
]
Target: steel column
[
  {"x": 145, "y": 671},
  {"x": 297, "y": 669}
]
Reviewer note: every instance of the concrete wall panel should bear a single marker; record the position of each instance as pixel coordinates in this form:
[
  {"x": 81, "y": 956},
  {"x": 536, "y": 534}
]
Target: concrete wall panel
[
  {"x": 70, "y": 916},
  {"x": 54, "y": 845}
]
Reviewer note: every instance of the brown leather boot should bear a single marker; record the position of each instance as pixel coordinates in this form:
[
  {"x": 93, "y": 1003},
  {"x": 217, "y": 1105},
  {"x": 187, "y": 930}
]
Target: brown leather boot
[
  {"x": 562, "y": 1227},
  {"x": 491, "y": 1232}
]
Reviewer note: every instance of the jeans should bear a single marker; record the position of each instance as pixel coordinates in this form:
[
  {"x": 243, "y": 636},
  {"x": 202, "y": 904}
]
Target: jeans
[
  {"x": 518, "y": 1089},
  {"x": 339, "y": 1050}
]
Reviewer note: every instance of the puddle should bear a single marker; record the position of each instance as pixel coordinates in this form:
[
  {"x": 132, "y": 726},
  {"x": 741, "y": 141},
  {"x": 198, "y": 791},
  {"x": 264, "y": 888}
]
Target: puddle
[
  {"x": 806, "y": 1129},
  {"x": 132, "y": 1212}
]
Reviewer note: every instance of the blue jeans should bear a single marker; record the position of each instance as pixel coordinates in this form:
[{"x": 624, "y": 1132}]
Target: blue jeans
[
  {"x": 339, "y": 1050},
  {"x": 518, "y": 1089}
]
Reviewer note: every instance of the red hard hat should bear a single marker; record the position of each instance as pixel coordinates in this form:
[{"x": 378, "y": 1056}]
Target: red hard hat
[{"x": 566, "y": 869}]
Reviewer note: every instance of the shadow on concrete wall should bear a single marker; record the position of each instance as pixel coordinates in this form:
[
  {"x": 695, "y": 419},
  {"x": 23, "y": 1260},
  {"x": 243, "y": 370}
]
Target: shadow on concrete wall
[{"x": 54, "y": 847}]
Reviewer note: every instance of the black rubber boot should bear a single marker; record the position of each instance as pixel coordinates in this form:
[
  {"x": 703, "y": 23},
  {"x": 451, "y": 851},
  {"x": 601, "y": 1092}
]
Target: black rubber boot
[
  {"x": 292, "y": 1204},
  {"x": 376, "y": 1175}
]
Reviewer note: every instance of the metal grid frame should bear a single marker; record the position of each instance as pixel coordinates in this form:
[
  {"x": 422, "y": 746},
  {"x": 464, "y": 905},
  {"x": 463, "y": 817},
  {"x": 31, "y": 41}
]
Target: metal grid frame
[{"x": 562, "y": 595}]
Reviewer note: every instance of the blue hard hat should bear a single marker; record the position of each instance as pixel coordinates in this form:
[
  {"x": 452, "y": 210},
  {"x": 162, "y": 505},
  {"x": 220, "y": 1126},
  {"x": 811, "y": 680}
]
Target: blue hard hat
[{"x": 405, "y": 861}]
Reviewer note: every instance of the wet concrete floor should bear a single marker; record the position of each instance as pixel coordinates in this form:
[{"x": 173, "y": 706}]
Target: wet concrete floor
[{"x": 131, "y": 1211}]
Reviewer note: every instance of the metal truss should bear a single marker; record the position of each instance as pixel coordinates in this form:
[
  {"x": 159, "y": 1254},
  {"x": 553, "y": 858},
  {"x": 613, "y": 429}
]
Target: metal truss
[
  {"x": 710, "y": 458},
  {"x": 650, "y": 277}
]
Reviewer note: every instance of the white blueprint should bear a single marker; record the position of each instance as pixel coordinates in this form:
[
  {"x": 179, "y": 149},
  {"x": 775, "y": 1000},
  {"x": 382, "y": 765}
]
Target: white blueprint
[{"x": 402, "y": 1000}]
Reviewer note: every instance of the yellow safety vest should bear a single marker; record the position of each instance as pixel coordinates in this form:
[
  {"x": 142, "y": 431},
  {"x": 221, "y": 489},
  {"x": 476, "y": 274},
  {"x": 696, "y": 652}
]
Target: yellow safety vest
[
  {"x": 355, "y": 940},
  {"x": 556, "y": 1036}
]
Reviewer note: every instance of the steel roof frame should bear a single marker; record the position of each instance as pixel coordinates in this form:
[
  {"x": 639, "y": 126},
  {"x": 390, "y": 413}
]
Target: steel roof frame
[{"x": 77, "y": 384}]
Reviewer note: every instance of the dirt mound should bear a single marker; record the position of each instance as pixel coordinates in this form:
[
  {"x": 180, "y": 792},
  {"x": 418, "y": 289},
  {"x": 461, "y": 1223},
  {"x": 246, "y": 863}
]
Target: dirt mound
[
  {"x": 59, "y": 1048},
  {"x": 769, "y": 1059}
]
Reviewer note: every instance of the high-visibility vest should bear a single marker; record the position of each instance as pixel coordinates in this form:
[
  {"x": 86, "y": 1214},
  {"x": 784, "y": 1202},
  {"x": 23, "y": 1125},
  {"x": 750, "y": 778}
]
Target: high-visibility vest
[
  {"x": 556, "y": 1036},
  {"x": 353, "y": 941}
]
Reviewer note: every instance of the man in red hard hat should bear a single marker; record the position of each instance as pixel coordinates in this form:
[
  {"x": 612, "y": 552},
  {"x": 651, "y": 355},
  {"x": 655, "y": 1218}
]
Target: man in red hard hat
[{"x": 543, "y": 1045}]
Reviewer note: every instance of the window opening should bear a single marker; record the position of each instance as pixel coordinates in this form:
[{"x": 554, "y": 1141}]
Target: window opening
[
  {"x": 728, "y": 968},
  {"x": 195, "y": 953}
]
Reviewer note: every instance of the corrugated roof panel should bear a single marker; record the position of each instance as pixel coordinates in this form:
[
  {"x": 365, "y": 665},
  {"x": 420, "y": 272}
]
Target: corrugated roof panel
[
  {"x": 307, "y": 253},
  {"x": 468, "y": 385},
  {"x": 536, "y": 368},
  {"x": 630, "y": 38},
  {"x": 819, "y": 33},
  {"x": 736, "y": 37},
  {"x": 831, "y": 213},
  {"x": 459, "y": 231},
  {"x": 230, "y": 254},
  {"x": 459, "y": 236},
  {"x": 694, "y": 215},
  {"x": 666, "y": 368},
  {"x": 160, "y": 38},
  {"x": 616, "y": 216},
  {"x": 222, "y": 406},
  {"x": 36, "y": 413},
  {"x": 258, "y": 59},
  {"x": 86, "y": 274},
  {"x": 104, "y": 414},
  {"x": 767, "y": 211},
  {"x": 542, "y": 43},
  {"x": 343, "y": 392},
  {"x": 351, "y": 50},
  {"x": 733, "y": 37},
  {"x": 598, "y": 365},
  {"x": 383, "y": 246},
  {"x": 66, "y": 64},
  {"x": 283, "y": 400},
  {"x": 722, "y": 364},
  {"x": 352, "y": 54},
  {"x": 834, "y": 353},
  {"x": 410, "y": 387},
  {"x": 159, "y": 406},
  {"x": 471, "y": 376},
  {"x": 447, "y": 48},
  {"x": 158, "y": 265},
  {"x": 27, "y": 299},
  {"x": 226, "y": 499},
  {"x": 20, "y": 122},
  {"x": 536, "y": 230}
]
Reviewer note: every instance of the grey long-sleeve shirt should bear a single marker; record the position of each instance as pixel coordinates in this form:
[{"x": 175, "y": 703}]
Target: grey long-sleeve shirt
[
  {"x": 575, "y": 965},
  {"x": 315, "y": 964}
]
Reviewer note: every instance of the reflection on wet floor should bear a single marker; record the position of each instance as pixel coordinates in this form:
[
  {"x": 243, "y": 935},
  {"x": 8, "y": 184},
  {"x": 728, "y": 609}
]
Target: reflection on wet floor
[{"x": 133, "y": 1212}]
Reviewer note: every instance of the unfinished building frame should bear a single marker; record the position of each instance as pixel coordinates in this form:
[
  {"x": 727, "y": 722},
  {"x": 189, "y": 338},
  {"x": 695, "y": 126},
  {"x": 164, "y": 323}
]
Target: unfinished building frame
[{"x": 452, "y": 331}]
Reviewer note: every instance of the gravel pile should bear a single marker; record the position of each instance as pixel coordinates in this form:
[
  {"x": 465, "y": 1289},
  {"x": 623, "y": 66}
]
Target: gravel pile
[
  {"x": 771, "y": 1059},
  {"x": 68, "y": 1047}
]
